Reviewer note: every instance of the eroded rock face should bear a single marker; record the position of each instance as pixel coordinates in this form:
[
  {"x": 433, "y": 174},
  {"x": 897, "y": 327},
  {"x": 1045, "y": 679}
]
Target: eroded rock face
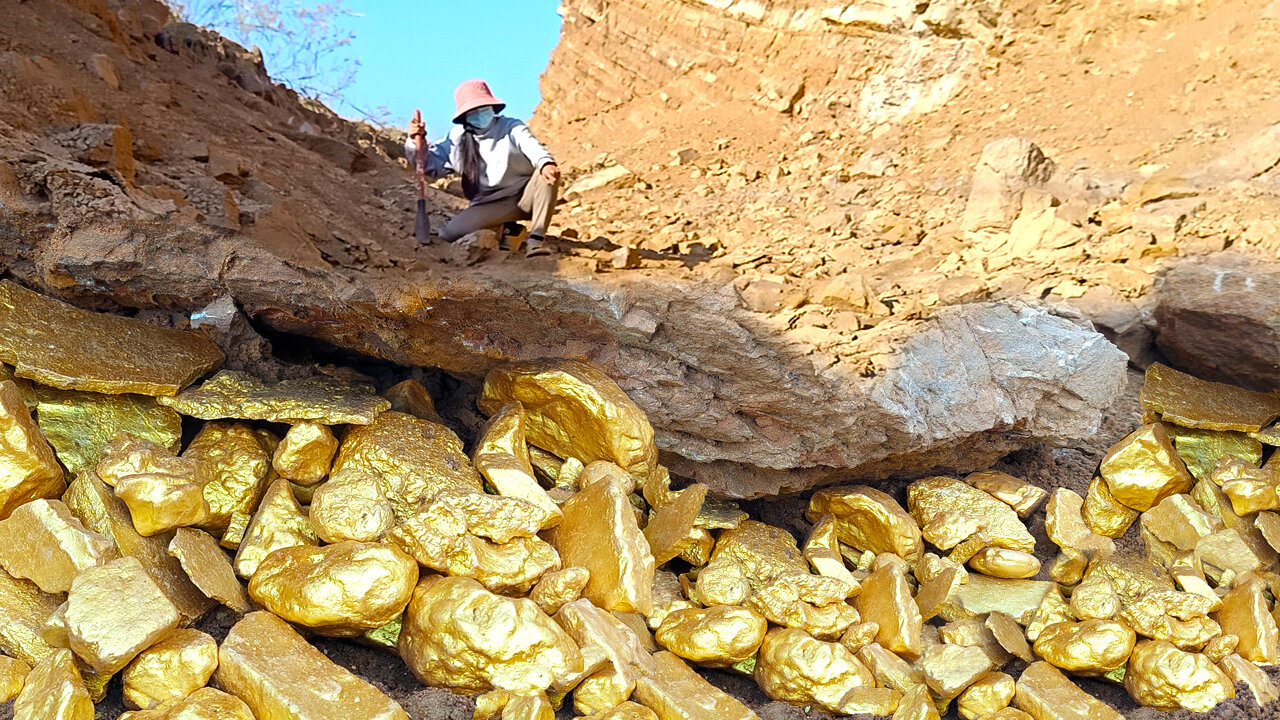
[
  {"x": 1226, "y": 301},
  {"x": 731, "y": 406}
]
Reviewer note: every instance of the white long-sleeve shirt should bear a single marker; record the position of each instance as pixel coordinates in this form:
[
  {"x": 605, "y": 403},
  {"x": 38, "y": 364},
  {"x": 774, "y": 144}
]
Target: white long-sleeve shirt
[{"x": 509, "y": 153}]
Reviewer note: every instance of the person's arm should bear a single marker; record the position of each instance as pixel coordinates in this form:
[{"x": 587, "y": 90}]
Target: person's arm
[
  {"x": 538, "y": 155},
  {"x": 437, "y": 154}
]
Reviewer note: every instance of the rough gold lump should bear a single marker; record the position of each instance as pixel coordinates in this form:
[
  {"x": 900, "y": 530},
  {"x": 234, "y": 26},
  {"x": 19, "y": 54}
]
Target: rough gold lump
[
  {"x": 203, "y": 704},
  {"x": 43, "y": 542},
  {"x": 262, "y": 661},
  {"x": 54, "y": 690},
  {"x": 79, "y": 425},
  {"x": 716, "y": 636},
  {"x": 236, "y": 395},
  {"x": 1090, "y": 647},
  {"x": 28, "y": 468},
  {"x": 116, "y": 611},
  {"x": 1161, "y": 676},
  {"x": 868, "y": 519},
  {"x": 306, "y": 453},
  {"x": 278, "y": 523},
  {"x": 930, "y": 496},
  {"x": 170, "y": 670},
  {"x": 209, "y": 568},
  {"x": 458, "y": 635},
  {"x": 57, "y": 344},
  {"x": 1191, "y": 402},
  {"x": 502, "y": 457},
  {"x": 1143, "y": 468},
  {"x": 794, "y": 667},
  {"x": 575, "y": 410},
  {"x": 342, "y": 589}
]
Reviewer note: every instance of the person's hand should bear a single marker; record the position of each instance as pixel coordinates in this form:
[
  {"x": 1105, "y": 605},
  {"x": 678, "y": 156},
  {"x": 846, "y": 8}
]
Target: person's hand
[
  {"x": 416, "y": 126},
  {"x": 551, "y": 173}
]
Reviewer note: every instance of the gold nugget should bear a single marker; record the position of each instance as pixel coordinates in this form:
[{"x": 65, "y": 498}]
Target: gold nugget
[
  {"x": 1143, "y": 469},
  {"x": 1192, "y": 402},
  {"x": 930, "y": 496},
  {"x": 43, "y": 542},
  {"x": 278, "y": 523},
  {"x": 107, "y": 632},
  {"x": 868, "y": 519},
  {"x": 599, "y": 532},
  {"x": 306, "y": 453},
  {"x": 79, "y": 425},
  {"x": 236, "y": 395},
  {"x": 351, "y": 506},
  {"x": 1166, "y": 678},
  {"x": 54, "y": 690},
  {"x": 715, "y": 636},
  {"x": 28, "y": 468},
  {"x": 503, "y": 458},
  {"x": 1090, "y": 647},
  {"x": 886, "y": 600},
  {"x": 170, "y": 670}
]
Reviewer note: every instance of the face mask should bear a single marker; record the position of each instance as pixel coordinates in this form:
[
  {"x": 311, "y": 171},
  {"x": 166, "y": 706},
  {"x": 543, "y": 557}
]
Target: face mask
[{"x": 480, "y": 118}]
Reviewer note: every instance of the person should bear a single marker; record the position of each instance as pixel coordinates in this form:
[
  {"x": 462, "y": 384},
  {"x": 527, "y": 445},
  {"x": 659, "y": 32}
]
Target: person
[{"x": 507, "y": 175}]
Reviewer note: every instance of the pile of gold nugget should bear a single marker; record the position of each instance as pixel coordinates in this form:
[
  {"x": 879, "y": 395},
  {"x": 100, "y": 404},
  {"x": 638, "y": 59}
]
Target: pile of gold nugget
[{"x": 555, "y": 565}]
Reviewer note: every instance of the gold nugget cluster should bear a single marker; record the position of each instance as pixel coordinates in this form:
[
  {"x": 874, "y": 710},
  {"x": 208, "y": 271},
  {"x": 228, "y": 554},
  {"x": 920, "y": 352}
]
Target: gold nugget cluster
[{"x": 556, "y": 565}]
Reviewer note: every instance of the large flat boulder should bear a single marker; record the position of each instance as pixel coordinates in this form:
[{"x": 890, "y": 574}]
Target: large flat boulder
[
  {"x": 1219, "y": 318},
  {"x": 734, "y": 403}
]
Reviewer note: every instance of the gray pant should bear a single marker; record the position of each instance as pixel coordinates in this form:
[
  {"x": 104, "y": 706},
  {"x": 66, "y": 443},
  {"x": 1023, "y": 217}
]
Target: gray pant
[{"x": 537, "y": 202}]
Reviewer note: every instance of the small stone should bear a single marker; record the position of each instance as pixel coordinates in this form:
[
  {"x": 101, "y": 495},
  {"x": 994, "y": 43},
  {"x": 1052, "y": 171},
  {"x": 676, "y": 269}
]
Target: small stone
[
  {"x": 1202, "y": 449},
  {"x": 1009, "y": 634},
  {"x": 410, "y": 397},
  {"x": 306, "y": 453},
  {"x": 916, "y": 704},
  {"x": 43, "y": 542},
  {"x": 502, "y": 457},
  {"x": 822, "y": 550},
  {"x": 813, "y": 603},
  {"x": 1219, "y": 647},
  {"x": 588, "y": 625},
  {"x": 983, "y": 594},
  {"x": 209, "y": 568},
  {"x": 116, "y": 611},
  {"x": 1068, "y": 568},
  {"x": 949, "y": 527},
  {"x": 79, "y": 425},
  {"x": 261, "y": 661},
  {"x": 1166, "y": 678},
  {"x": 1180, "y": 520},
  {"x": 939, "y": 590},
  {"x": 670, "y": 527},
  {"x": 170, "y": 670}
]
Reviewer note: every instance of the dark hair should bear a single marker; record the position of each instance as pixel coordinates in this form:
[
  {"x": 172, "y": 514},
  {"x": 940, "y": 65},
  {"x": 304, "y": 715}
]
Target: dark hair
[{"x": 469, "y": 154}]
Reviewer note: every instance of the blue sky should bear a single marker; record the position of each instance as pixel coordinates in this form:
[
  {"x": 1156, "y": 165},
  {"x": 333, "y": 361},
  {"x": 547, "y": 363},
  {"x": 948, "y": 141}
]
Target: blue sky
[{"x": 413, "y": 53}]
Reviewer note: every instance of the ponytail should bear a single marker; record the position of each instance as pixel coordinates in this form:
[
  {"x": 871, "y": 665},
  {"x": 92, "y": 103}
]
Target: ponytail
[{"x": 469, "y": 154}]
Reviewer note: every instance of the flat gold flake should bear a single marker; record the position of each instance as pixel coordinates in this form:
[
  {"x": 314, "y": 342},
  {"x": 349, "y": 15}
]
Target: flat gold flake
[
  {"x": 232, "y": 394},
  {"x": 1192, "y": 402},
  {"x": 79, "y": 425},
  {"x": 56, "y": 344},
  {"x": 209, "y": 568}
]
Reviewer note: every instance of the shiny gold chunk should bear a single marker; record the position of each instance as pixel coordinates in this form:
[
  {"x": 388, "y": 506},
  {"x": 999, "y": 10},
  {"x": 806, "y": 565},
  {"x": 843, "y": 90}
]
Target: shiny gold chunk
[
  {"x": 949, "y": 527},
  {"x": 1245, "y": 614},
  {"x": 306, "y": 453},
  {"x": 930, "y": 496},
  {"x": 588, "y": 625},
  {"x": 491, "y": 538},
  {"x": 676, "y": 692},
  {"x": 746, "y": 559},
  {"x": 502, "y": 457},
  {"x": 25, "y": 387},
  {"x": 528, "y": 707},
  {"x": 719, "y": 515},
  {"x": 558, "y": 588},
  {"x": 1054, "y": 608},
  {"x": 116, "y": 611},
  {"x": 889, "y": 669},
  {"x": 43, "y": 542},
  {"x": 489, "y": 704},
  {"x": 670, "y": 527},
  {"x": 410, "y": 397},
  {"x": 1268, "y": 523},
  {"x": 351, "y": 506},
  {"x": 886, "y": 600},
  {"x": 13, "y": 675},
  {"x": 1044, "y": 693},
  {"x": 1068, "y": 568},
  {"x": 868, "y": 519},
  {"x": 859, "y": 635},
  {"x": 1009, "y": 634},
  {"x": 342, "y": 589},
  {"x": 822, "y": 550},
  {"x": 459, "y": 635},
  {"x": 601, "y": 691},
  {"x": 1065, "y": 526},
  {"x": 1250, "y": 489},
  {"x": 1179, "y": 618},
  {"x": 1239, "y": 670},
  {"x": 28, "y": 468},
  {"x": 574, "y": 410},
  {"x": 939, "y": 590},
  {"x": 962, "y": 553},
  {"x": 1195, "y": 403},
  {"x": 701, "y": 544},
  {"x": 80, "y": 424},
  {"x": 973, "y": 632},
  {"x": 988, "y": 694},
  {"x": 1180, "y": 520},
  {"x": 983, "y": 594},
  {"x": 236, "y": 395},
  {"x": 1023, "y": 497},
  {"x": 54, "y": 690},
  {"x": 1225, "y": 554},
  {"x": 916, "y": 704},
  {"x": 1201, "y": 449},
  {"x": 170, "y": 670},
  {"x": 715, "y": 636},
  {"x": 204, "y": 704},
  {"x": 949, "y": 669},
  {"x": 278, "y": 523},
  {"x": 1089, "y": 647},
  {"x": 1166, "y": 678},
  {"x": 264, "y": 662},
  {"x": 56, "y": 344},
  {"x": 668, "y": 596},
  {"x": 209, "y": 568},
  {"x": 1103, "y": 513},
  {"x": 599, "y": 532},
  {"x": 101, "y": 511},
  {"x": 1218, "y": 648},
  {"x": 628, "y": 711},
  {"x": 162, "y": 490},
  {"x": 1003, "y": 563},
  {"x": 813, "y": 603},
  {"x": 1211, "y": 498},
  {"x": 1143, "y": 469},
  {"x": 240, "y": 465},
  {"x": 413, "y": 459}
]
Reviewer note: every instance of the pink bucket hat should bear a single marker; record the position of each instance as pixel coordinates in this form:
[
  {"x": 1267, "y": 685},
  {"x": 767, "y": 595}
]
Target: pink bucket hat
[{"x": 473, "y": 94}]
